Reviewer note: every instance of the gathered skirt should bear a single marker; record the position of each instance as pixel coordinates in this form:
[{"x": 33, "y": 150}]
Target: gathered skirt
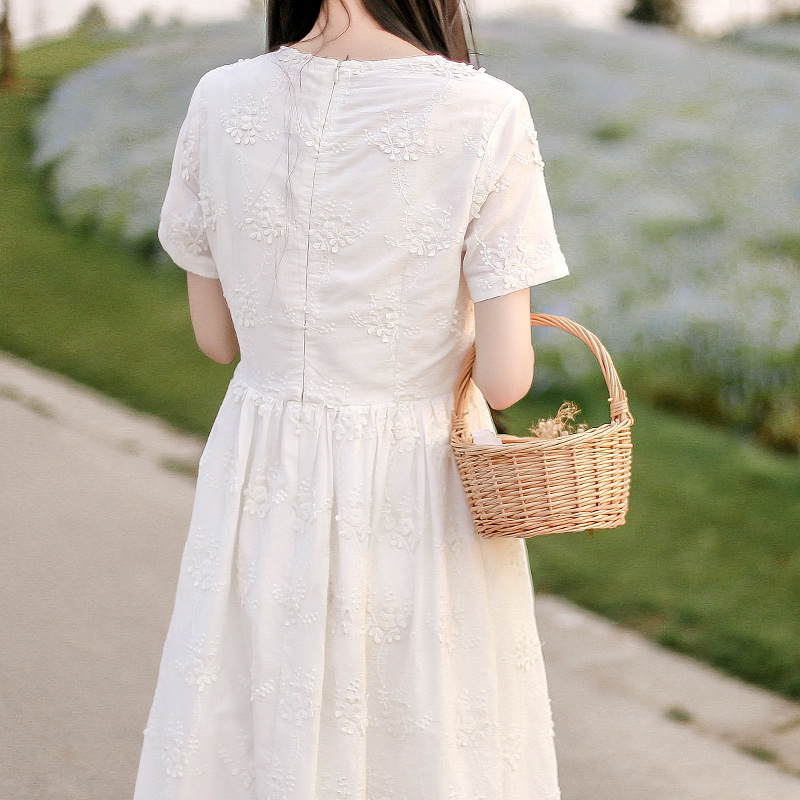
[{"x": 340, "y": 631}]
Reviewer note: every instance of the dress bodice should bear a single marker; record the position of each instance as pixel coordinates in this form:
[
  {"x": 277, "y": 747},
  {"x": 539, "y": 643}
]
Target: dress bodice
[{"x": 353, "y": 212}]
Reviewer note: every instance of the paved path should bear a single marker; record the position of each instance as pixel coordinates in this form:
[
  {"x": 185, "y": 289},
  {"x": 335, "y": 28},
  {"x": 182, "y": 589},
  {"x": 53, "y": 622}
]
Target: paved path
[{"x": 94, "y": 509}]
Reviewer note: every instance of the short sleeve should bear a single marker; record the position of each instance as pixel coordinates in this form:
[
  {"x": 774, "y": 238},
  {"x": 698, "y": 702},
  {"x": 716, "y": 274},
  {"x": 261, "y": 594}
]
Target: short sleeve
[
  {"x": 182, "y": 227},
  {"x": 510, "y": 242}
]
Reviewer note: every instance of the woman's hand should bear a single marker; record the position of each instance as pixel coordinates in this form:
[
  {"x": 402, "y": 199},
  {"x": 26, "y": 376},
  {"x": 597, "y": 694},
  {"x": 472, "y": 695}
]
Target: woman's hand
[
  {"x": 504, "y": 358},
  {"x": 211, "y": 319}
]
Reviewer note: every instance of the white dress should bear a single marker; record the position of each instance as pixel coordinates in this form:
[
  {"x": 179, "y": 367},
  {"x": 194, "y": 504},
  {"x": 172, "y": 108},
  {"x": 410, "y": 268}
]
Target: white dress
[{"x": 340, "y": 631}]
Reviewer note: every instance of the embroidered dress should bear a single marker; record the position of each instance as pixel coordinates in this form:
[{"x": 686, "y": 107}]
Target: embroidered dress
[{"x": 339, "y": 628}]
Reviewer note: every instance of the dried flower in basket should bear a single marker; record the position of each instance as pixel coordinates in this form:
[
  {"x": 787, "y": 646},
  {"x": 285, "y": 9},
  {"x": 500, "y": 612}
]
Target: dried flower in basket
[{"x": 563, "y": 424}]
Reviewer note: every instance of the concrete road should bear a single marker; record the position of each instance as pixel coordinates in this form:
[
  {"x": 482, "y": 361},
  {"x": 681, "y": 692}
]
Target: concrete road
[{"x": 94, "y": 507}]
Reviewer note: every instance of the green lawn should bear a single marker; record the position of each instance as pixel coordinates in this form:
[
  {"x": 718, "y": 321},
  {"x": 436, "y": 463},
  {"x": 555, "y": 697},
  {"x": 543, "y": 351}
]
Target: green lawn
[
  {"x": 709, "y": 562},
  {"x": 106, "y": 316}
]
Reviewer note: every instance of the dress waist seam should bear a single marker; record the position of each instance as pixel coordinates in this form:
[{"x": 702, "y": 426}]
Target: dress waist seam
[{"x": 241, "y": 388}]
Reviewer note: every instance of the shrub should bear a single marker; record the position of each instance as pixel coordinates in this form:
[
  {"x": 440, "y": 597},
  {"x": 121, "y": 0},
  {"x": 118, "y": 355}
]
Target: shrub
[
  {"x": 668, "y": 13},
  {"x": 93, "y": 21}
]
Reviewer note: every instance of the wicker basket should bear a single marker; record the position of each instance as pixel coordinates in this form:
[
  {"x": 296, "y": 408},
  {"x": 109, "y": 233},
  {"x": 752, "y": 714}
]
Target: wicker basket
[{"x": 529, "y": 486}]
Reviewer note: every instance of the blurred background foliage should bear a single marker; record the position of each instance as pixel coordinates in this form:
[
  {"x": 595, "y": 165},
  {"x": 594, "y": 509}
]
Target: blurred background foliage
[
  {"x": 657, "y": 12},
  {"x": 675, "y": 180},
  {"x": 667, "y": 168}
]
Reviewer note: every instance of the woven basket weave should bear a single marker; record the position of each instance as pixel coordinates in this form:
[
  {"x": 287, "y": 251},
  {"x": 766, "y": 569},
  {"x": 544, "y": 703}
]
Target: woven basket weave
[{"x": 529, "y": 486}]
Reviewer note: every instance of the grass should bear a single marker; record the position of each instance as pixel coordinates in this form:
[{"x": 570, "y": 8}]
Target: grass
[
  {"x": 678, "y": 714},
  {"x": 661, "y": 231},
  {"x": 613, "y": 131},
  {"x": 708, "y": 563},
  {"x": 761, "y": 753},
  {"x": 106, "y": 316},
  {"x": 783, "y": 246}
]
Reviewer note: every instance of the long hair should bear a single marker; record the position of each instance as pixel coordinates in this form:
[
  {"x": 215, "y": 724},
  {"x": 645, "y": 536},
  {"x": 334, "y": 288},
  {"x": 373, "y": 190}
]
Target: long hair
[{"x": 435, "y": 26}]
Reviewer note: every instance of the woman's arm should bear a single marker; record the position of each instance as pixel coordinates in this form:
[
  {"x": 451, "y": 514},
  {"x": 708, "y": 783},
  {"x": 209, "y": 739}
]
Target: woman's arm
[
  {"x": 504, "y": 358},
  {"x": 211, "y": 319}
]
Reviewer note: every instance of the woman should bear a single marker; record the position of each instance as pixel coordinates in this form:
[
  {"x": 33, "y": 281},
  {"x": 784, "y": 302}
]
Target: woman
[{"x": 353, "y": 208}]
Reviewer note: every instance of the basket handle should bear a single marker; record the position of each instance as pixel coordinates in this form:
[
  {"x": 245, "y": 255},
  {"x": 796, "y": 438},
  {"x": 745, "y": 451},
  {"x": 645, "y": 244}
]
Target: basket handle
[{"x": 618, "y": 399}]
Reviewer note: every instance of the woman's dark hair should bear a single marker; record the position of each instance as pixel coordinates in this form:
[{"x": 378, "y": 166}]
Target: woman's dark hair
[{"x": 435, "y": 26}]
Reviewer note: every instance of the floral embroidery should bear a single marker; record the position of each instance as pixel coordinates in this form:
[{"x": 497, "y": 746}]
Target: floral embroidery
[
  {"x": 515, "y": 264},
  {"x": 258, "y": 493},
  {"x": 176, "y": 747},
  {"x": 296, "y": 698},
  {"x": 303, "y": 415},
  {"x": 527, "y": 652},
  {"x": 426, "y": 230},
  {"x": 314, "y": 138},
  {"x": 472, "y": 725},
  {"x": 245, "y": 307},
  {"x": 257, "y": 496},
  {"x": 306, "y": 509},
  {"x": 511, "y": 745},
  {"x": 479, "y": 147},
  {"x": 396, "y": 714},
  {"x": 383, "y": 319},
  {"x": 333, "y": 229},
  {"x": 346, "y": 611},
  {"x": 534, "y": 157},
  {"x": 187, "y": 231},
  {"x": 398, "y": 526},
  {"x": 241, "y": 764},
  {"x": 529, "y": 158},
  {"x": 497, "y": 182},
  {"x": 211, "y": 212},
  {"x": 437, "y": 422},
  {"x": 202, "y": 561},
  {"x": 405, "y": 432},
  {"x": 264, "y": 219},
  {"x": 455, "y": 322},
  {"x": 264, "y": 689},
  {"x": 350, "y": 709},
  {"x": 291, "y": 598},
  {"x": 449, "y": 627},
  {"x": 387, "y": 617},
  {"x": 190, "y": 163},
  {"x": 354, "y": 518},
  {"x": 245, "y": 122},
  {"x": 280, "y": 782},
  {"x": 246, "y": 575},
  {"x": 308, "y": 317},
  {"x": 223, "y": 474},
  {"x": 385, "y": 786},
  {"x": 340, "y": 789},
  {"x": 350, "y": 423},
  {"x": 401, "y": 140},
  {"x": 446, "y": 68},
  {"x": 201, "y": 666},
  {"x": 455, "y": 541},
  {"x": 333, "y": 392}
]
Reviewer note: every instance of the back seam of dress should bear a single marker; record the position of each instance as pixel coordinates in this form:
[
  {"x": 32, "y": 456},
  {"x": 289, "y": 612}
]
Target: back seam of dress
[{"x": 308, "y": 235}]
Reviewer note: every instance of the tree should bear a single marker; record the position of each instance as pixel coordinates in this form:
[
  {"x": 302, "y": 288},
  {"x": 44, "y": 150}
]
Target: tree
[
  {"x": 93, "y": 21},
  {"x": 7, "y": 64},
  {"x": 668, "y": 13}
]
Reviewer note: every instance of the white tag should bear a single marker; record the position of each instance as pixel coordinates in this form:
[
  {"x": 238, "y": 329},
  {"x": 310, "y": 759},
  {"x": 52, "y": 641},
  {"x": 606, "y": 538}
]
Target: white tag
[{"x": 485, "y": 436}]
